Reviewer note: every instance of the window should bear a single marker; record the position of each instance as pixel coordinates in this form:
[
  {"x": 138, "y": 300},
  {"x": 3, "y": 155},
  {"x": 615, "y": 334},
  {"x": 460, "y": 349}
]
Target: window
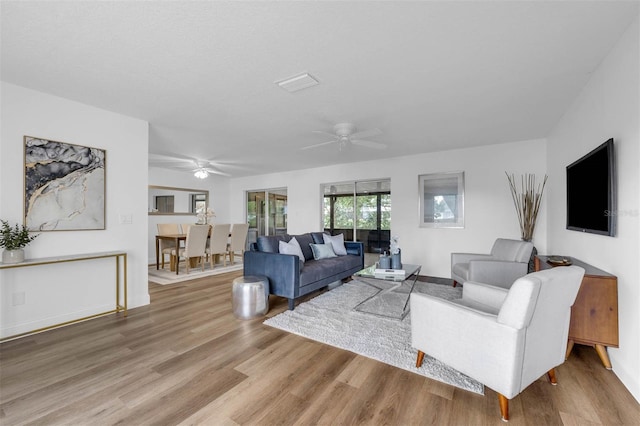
[
  {"x": 442, "y": 200},
  {"x": 198, "y": 203},
  {"x": 164, "y": 203},
  {"x": 361, "y": 211}
]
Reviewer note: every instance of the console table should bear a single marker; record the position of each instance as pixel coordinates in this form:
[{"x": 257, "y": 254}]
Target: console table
[
  {"x": 594, "y": 315},
  {"x": 118, "y": 255}
]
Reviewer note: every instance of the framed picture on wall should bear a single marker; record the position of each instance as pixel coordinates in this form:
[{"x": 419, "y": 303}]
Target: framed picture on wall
[
  {"x": 64, "y": 186},
  {"x": 441, "y": 200}
]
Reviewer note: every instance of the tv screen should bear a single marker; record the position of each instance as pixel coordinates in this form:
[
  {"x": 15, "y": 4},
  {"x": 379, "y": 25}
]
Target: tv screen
[{"x": 591, "y": 195}]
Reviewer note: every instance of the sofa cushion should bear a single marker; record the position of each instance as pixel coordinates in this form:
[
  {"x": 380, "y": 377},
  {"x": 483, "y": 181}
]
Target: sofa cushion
[
  {"x": 305, "y": 240},
  {"x": 337, "y": 243},
  {"x": 270, "y": 243},
  {"x": 316, "y": 270},
  {"x": 318, "y": 237},
  {"x": 292, "y": 247}
]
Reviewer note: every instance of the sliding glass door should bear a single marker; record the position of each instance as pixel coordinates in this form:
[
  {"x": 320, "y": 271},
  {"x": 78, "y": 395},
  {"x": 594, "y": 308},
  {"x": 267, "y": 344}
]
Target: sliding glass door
[
  {"x": 266, "y": 213},
  {"x": 361, "y": 211}
]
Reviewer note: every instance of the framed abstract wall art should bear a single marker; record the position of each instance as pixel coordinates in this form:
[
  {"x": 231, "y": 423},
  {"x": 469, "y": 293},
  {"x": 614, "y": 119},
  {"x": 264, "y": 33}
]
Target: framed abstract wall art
[
  {"x": 441, "y": 200},
  {"x": 64, "y": 186}
]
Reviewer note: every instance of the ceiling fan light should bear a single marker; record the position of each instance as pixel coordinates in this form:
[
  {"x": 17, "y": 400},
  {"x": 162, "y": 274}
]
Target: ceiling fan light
[{"x": 201, "y": 174}]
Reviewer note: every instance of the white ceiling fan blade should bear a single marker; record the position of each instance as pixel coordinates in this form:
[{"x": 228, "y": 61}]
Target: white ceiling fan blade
[
  {"x": 366, "y": 134},
  {"x": 216, "y": 171},
  {"x": 369, "y": 144},
  {"x": 322, "y": 132},
  {"x": 318, "y": 144}
]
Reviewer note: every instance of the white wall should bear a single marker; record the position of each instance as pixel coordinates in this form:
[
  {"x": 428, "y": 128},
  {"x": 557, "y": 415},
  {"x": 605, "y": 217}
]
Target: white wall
[
  {"x": 489, "y": 210},
  {"x": 607, "y": 107},
  {"x": 218, "y": 187},
  {"x": 72, "y": 290}
]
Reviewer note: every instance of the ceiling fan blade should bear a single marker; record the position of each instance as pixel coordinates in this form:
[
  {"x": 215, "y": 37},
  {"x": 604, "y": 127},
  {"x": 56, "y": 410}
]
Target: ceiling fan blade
[
  {"x": 366, "y": 134},
  {"x": 216, "y": 171},
  {"x": 322, "y": 132},
  {"x": 369, "y": 144},
  {"x": 159, "y": 157},
  {"x": 318, "y": 144}
]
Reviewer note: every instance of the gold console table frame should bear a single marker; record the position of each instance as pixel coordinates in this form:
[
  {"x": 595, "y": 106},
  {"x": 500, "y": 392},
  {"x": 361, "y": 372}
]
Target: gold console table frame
[{"x": 118, "y": 255}]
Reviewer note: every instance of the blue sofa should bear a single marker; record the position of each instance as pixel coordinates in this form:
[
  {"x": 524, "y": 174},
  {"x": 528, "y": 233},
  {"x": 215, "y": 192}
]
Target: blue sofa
[{"x": 291, "y": 278}]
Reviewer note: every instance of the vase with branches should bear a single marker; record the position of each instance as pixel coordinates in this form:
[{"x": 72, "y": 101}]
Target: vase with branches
[{"x": 527, "y": 198}]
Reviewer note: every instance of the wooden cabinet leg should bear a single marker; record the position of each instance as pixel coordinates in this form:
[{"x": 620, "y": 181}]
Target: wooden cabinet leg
[
  {"x": 604, "y": 356},
  {"x": 569, "y": 348}
]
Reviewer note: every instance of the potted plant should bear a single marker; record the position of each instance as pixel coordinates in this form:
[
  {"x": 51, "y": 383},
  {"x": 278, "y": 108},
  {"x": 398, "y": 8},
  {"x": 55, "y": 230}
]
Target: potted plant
[{"x": 14, "y": 240}]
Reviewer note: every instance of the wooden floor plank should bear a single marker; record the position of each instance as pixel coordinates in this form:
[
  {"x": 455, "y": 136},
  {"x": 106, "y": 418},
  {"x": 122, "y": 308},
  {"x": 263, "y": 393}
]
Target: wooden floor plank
[{"x": 185, "y": 359}]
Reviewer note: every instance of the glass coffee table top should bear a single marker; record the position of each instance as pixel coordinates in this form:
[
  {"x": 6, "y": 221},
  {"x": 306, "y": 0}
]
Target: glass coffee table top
[
  {"x": 392, "y": 299},
  {"x": 369, "y": 272}
]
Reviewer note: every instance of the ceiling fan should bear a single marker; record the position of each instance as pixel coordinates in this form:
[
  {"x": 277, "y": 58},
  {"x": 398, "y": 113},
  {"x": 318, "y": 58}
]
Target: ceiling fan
[
  {"x": 345, "y": 134},
  {"x": 200, "y": 168}
]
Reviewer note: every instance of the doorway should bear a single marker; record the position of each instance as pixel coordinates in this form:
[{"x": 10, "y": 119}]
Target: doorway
[{"x": 266, "y": 213}]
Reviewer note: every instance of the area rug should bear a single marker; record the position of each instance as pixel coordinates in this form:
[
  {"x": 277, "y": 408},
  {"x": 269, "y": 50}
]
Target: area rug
[
  {"x": 331, "y": 319},
  {"x": 165, "y": 276}
]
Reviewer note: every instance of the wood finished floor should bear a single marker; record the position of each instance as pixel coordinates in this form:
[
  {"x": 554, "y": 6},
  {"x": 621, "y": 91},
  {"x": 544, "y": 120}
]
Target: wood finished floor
[{"x": 185, "y": 359}]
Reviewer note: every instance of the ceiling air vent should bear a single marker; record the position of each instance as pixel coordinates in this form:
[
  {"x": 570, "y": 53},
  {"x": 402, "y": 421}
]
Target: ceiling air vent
[{"x": 298, "y": 82}]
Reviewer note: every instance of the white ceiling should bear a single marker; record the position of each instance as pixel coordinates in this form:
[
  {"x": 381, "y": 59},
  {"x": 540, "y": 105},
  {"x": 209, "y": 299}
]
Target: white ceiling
[{"x": 431, "y": 76}]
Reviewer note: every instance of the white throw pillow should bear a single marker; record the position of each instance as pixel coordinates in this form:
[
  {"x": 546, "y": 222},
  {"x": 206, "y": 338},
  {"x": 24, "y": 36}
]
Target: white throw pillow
[
  {"x": 292, "y": 247},
  {"x": 337, "y": 242}
]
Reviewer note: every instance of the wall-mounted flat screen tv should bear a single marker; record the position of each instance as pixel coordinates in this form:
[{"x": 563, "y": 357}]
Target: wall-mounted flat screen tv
[{"x": 591, "y": 192}]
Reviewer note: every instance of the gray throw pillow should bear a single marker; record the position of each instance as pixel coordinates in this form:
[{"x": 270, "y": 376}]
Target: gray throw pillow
[{"x": 322, "y": 251}]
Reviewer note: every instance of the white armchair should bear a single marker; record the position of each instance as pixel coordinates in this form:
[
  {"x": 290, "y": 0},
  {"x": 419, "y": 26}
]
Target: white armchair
[
  {"x": 508, "y": 261},
  {"x": 505, "y": 339}
]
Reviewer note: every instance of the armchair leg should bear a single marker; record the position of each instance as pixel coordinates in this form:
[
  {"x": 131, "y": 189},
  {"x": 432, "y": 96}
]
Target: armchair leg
[
  {"x": 552, "y": 376},
  {"x": 504, "y": 407},
  {"x": 420, "y": 358}
]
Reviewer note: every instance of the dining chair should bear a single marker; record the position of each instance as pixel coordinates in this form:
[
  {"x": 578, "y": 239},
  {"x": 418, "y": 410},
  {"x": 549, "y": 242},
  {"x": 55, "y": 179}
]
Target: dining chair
[
  {"x": 195, "y": 246},
  {"x": 238, "y": 241},
  {"x": 167, "y": 246},
  {"x": 218, "y": 242}
]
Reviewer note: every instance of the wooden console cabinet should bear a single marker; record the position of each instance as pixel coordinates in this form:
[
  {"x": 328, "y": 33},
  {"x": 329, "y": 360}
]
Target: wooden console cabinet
[{"x": 594, "y": 315}]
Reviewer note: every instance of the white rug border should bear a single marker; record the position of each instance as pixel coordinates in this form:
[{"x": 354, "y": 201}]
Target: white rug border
[{"x": 195, "y": 273}]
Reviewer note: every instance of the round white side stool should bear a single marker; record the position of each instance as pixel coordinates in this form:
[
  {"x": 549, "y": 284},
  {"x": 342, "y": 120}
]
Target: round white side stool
[{"x": 250, "y": 296}]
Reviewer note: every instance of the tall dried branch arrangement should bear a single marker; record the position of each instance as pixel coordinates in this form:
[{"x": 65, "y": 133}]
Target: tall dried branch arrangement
[{"x": 527, "y": 201}]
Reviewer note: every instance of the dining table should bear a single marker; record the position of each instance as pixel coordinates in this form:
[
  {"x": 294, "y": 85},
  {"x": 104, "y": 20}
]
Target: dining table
[{"x": 176, "y": 238}]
